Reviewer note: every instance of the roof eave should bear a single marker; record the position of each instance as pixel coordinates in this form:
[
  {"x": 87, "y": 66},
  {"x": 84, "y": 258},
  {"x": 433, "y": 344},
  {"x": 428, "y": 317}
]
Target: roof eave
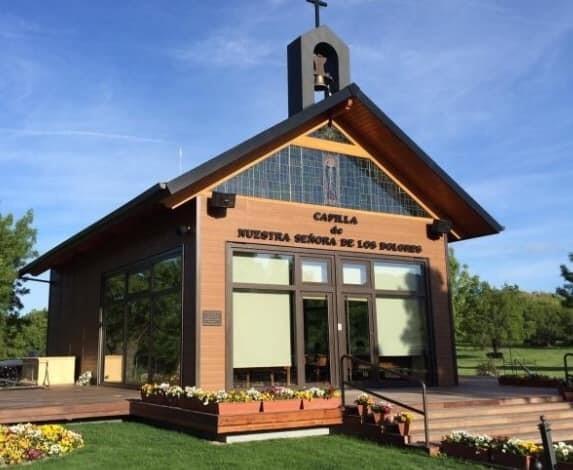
[{"x": 155, "y": 193}]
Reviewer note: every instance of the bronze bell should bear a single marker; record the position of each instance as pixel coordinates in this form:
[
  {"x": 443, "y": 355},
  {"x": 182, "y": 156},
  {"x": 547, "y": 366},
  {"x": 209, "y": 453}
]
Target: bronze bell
[
  {"x": 321, "y": 82},
  {"x": 322, "y": 79}
]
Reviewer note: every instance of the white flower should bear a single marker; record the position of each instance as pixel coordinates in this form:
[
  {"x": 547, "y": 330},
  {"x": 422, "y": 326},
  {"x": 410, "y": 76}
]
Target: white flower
[{"x": 55, "y": 449}]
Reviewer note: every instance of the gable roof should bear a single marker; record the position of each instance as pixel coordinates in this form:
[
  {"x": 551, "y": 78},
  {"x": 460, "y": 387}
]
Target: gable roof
[
  {"x": 379, "y": 135},
  {"x": 362, "y": 120}
]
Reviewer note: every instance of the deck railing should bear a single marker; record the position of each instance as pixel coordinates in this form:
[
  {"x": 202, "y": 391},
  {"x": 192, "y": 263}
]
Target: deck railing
[{"x": 424, "y": 411}]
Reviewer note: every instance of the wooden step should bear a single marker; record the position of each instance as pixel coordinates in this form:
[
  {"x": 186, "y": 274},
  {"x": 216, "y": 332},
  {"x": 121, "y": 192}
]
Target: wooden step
[
  {"x": 499, "y": 409},
  {"x": 503, "y": 418},
  {"x": 562, "y": 430},
  {"x": 515, "y": 400}
]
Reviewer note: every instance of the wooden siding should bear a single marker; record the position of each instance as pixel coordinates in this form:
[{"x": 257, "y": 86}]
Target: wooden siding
[
  {"x": 215, "y": 232},
  {"x": 73, "y": 322}
]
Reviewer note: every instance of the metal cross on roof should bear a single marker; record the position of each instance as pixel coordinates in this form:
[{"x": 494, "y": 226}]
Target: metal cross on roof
[{"x": 317, "y": 4}]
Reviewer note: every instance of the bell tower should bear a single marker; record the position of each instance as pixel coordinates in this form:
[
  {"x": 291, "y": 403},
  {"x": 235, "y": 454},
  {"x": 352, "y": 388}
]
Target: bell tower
[{"x": 318, "y": 61}]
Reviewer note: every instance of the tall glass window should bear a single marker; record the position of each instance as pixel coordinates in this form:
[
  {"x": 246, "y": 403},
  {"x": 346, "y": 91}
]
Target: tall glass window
[
  {"x": 264, "y": 350},
  {"x": 142, "y": 322},
  {"x": 401, "y": 327}
]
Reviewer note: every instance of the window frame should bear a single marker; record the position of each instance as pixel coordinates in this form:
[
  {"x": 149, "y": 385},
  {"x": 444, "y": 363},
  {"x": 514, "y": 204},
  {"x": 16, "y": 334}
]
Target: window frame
[
  {"x": 128, "y": 298},
  {"x": 337, "y": 340}
]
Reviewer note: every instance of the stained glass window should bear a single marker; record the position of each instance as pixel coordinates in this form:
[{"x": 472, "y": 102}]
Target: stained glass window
[
  {"x": 311, "y": 176},
  {"x": 327, "y": 132}
]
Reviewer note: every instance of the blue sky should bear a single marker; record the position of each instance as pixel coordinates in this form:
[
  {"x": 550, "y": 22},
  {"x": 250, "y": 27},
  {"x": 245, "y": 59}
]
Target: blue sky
[{"x": 96, "y": 98}]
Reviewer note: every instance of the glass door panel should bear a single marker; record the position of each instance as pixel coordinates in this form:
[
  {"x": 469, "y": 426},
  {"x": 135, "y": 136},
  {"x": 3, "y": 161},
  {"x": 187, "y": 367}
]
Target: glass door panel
[
  {"x": 113, "y": 343},
  {"x": 358, "y": 342},
  {"x": 137, "y": 342},
  {"x": 316, "y": 338}
]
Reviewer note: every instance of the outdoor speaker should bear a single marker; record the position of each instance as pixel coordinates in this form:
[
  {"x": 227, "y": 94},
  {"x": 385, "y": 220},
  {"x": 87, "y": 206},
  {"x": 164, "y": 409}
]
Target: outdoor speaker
[
  {"x": 439, "y": 227},
  {"x": 222, "y": 200}
]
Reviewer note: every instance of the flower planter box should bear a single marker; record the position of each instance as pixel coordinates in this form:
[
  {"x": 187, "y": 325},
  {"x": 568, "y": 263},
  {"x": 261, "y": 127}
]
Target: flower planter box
[
  {"x": 173, "y": 401},
  {"x": 522, "y": 462},
  {"x": 155, "y": 399},
  {"x": 564, "y": 466},
  {"x": 362, "y": 410},
  {"x": 321, "y": 403},
  {"x": 193, "y": 404},
  {"x": 274, "y": 406},
  {"x": 464, "y": 452},
  {"x": 403, "y": 429},
  {"x": 377, "y": 417},
  {"x": 232, "y": 409}
]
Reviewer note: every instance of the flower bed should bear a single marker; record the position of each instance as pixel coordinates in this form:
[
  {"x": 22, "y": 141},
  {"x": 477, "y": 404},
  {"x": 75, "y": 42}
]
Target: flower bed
[
  {"x": 27, "y": 442},
  {"x": 502, "y": 451},
  {"x": 534, "y": 380},
  {"x": 235, "y": 402}
]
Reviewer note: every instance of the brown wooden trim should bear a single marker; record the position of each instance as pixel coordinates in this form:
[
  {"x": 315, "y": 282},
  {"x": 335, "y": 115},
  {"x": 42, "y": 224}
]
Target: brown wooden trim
[{"x": 329, "y": 146}]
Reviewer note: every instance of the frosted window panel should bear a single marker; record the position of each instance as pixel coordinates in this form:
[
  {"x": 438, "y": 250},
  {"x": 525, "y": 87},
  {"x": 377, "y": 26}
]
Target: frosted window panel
[
  {"x": 256, "y": 268},
  {"x": 315, "y": 271},
  {"x": 400, "y": 325},
  {"x": 113, "y": 367},
  {"x": 397, "y": 276},
  {"x": 261, "y": 330},
  {"x": 354, "y": 273}
]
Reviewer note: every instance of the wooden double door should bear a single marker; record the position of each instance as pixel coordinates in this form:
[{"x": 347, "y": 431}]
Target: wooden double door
[
  {"x": 337, "y": 319},
  {"x": 334, "y": 325}
]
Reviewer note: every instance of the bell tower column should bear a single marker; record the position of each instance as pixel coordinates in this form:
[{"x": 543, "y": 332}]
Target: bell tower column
[{"x": 317, "y": 61}]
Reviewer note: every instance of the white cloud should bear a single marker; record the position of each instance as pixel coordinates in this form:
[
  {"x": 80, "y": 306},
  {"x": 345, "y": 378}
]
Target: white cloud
[
  {"x": 226, "y": 50},
  {"x": 78, "y": 133}
]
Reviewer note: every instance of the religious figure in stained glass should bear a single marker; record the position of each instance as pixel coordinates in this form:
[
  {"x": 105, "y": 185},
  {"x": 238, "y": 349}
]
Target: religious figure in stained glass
[{"x": 330, "y": 179}]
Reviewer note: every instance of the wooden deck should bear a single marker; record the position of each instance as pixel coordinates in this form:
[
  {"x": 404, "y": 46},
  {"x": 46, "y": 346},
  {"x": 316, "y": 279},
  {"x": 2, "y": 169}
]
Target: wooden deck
[
  {"x": 478, "y": 405},
  {"x": 64, "y": 403}
]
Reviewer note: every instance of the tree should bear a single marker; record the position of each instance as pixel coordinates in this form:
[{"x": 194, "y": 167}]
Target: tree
[
  {"x": 546, "y": 320},
  {"x": 17, "y": 240},
  {"x": 567, "y": 290},
  {"x": 467, "y": 300},
  {"x": 26, "y": 334},
  {"x": 502, "y": 318}
]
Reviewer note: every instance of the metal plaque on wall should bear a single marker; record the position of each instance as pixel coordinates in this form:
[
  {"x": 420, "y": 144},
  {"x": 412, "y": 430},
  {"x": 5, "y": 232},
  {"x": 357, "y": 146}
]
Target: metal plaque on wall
[{"x": 212, "y": 318}]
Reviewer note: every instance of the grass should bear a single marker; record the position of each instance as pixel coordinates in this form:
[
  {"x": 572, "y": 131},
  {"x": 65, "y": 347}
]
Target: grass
[
  {"x": 138, "y": 446},
  {"x": 546, "y": 361}
]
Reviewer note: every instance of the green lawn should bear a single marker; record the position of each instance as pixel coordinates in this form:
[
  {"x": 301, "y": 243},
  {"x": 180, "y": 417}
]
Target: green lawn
[
  {"x": 547, "y": 361},
  {"x": 138, "y": 446}
]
